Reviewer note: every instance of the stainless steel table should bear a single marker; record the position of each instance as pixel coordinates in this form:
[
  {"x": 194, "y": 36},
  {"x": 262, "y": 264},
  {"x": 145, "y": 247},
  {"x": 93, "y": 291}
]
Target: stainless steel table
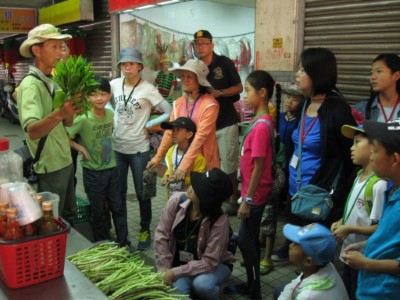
[{"x": 73, "y": 285}]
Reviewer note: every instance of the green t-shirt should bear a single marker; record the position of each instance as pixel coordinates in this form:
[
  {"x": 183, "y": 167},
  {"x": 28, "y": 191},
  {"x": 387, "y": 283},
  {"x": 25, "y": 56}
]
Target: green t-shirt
[
  {"x": 95, "y": 136},
  {"x": 34, "y": 104}
]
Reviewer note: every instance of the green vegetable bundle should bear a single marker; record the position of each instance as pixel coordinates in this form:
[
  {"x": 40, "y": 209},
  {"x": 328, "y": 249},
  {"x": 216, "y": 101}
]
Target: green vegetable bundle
[
  {"x": 74, "y": 76},
  {"x": 120, "y": 274}
]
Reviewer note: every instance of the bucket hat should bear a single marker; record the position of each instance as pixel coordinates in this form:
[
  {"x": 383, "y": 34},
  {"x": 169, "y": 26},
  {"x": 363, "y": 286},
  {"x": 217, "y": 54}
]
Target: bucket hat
[
  {"x": 40, "y": 34},
  {"x": 130, "y": 55},
  {"x": 199, "y": 68}
]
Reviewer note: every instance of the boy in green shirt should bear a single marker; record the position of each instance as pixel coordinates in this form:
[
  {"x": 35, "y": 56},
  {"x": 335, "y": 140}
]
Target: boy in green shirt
[{"x": 100, "y": 176}]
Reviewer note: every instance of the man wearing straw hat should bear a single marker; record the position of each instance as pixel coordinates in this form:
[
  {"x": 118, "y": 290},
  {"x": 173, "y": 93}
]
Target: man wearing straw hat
[{"x": 38, "y": 119}]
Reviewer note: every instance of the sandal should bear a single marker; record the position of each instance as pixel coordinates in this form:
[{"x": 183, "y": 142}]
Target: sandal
[{"x": 265, "y": 267}]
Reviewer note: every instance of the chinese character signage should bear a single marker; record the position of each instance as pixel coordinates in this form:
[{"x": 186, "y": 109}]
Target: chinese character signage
[{"x": 17, "y": 20}]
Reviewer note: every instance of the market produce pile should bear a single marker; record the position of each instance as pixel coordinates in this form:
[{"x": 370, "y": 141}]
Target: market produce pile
[{"x": 120, "y": 274}]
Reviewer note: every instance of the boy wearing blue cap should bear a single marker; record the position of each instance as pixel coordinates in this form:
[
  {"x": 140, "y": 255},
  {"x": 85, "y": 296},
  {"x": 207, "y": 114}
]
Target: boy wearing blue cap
[
  {"x": 363, "y": 207},
  {"x": 379, "y": 262},
  {"x": 312, "y": 250}
]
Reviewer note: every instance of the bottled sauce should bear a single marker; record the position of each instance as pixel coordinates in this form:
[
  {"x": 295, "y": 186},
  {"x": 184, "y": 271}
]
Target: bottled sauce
[
  {"x": 3, "y": 218},
  {"x": 10, "y": 163},
  {"x": 14, "y": 231},
  {"x": 48, "y": 224}
]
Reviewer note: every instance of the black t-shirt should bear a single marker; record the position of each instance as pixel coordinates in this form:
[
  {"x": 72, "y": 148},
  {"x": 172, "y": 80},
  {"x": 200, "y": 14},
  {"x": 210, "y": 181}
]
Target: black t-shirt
[{"x": 222, "y": 75}]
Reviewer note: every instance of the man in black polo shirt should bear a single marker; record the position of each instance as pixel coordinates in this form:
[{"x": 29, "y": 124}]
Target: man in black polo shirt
[{"x": 227, "y": 85}]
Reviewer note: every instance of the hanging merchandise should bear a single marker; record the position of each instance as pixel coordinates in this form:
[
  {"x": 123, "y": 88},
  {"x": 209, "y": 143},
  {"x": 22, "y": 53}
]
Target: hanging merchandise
[
  {"x": 76, "y": 45},
  {"x": 188, "y": 51},
  {"x": 221, "y": 48},
  {"x": 245, "y": 53},
  {"x": 173, "y": 46},
  {"x": 11, "y": 52},
  {"x": 150, "y": 58},
  {"x": 128, "y": 34},
  {"x": 234, "y": 51}
]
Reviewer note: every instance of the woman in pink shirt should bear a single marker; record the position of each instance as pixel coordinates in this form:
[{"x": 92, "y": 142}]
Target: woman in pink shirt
[{"x": 202, "y": 108}]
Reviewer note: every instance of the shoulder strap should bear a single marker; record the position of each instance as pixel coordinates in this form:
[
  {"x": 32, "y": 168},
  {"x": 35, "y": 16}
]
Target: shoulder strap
[
  {"x": 45, "y": 84},
  {"x": 369, "y": 194},
  {"x": 40, "y": 148},
  {"x": 271, "y": 132}
]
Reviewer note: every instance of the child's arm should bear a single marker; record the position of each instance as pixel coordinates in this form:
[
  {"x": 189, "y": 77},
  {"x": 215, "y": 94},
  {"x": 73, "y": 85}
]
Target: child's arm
[
  {"x": 74, "y": 145},
  {"x": 342, "y": 231},
  {"x": 336, "y": 224},
  {"x": 244, "y": 209},
  {"x": 358, "y": 261}
]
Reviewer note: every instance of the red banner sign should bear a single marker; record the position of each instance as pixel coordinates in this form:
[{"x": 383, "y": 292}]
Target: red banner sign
[{"x": 119, "y": 5}]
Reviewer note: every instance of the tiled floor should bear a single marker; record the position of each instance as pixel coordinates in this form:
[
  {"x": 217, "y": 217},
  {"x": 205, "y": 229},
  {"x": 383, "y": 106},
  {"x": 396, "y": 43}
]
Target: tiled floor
[{"x": 282, "y": 273}]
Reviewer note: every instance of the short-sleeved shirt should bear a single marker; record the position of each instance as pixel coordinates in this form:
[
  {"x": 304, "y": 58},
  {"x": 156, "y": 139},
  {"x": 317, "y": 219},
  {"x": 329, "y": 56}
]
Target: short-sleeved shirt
[
  {"x": 257, "y": 144},
  {"x": 96, "y": 137},
  {"x": 223, "y": 74},
  {"x": 383, "y": 244},
  {"x": 35, "y": 102},
  {"x": 128, "y": 135},
  {"x": 311, "y": 154},
  {"x": 356, "y": 213}
]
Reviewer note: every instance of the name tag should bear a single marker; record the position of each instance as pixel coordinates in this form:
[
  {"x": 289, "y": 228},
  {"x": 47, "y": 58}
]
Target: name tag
[
  {"x": 185, "y": 256},
  {"x": 294, "y": 161}
]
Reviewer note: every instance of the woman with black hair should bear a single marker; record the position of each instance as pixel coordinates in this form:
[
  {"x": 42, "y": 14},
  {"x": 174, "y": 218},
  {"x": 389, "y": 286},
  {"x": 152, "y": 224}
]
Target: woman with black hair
[
  {"x": 383, "y": 104},
  {"x": 325, "y": 151},
  {"x": 191, "y": 240}
]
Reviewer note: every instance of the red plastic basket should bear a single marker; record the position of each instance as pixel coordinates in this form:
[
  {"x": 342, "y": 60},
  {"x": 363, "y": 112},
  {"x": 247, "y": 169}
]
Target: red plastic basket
[{"x": 34, "y": 260}]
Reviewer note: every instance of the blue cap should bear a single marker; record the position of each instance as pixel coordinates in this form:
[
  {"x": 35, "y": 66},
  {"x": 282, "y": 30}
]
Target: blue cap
[
  {"x": 316, "y": 240},
  {"x": 130, "y": 55}
]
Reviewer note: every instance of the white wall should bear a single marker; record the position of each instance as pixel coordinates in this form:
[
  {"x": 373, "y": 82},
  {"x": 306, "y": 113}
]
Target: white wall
[{"x": 188, "y": 17}]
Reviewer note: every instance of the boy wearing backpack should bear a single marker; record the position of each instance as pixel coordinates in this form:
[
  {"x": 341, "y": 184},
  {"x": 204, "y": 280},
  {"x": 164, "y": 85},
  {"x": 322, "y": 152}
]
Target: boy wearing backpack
[
  {"x": 364, "y": 203},
  {"x": 378, "y": 258}
]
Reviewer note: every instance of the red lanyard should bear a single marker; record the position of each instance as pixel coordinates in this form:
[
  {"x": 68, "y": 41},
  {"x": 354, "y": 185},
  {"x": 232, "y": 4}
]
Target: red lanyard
[
  {"x": 393, "y": 110},
  {"x": 303, "y": 135}
]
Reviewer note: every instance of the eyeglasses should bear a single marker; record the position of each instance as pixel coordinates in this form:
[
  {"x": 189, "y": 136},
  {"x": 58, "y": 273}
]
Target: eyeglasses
[{"x": 198, "y": 45}]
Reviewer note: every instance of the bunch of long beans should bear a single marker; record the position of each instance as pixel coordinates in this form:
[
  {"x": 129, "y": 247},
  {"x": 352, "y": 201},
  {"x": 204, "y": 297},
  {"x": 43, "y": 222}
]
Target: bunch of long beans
[{"x": 120, "y": 274}]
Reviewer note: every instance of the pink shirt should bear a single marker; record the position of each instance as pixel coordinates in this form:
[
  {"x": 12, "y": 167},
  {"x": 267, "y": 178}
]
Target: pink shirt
[{"x": 257, "y": 144}]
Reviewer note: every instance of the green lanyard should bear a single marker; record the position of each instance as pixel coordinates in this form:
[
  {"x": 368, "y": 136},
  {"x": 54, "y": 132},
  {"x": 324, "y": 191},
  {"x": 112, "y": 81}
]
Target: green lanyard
[
  {"x": 345, "y": 218},
  {"x": 250, "y": 126},
  {"x": 187, "y": 237}
]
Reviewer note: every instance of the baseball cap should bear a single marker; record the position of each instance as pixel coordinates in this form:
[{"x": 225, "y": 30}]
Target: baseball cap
[
  {"x": 181, "y": 122},
  {"x": 316, "y": 240},
  {"x": 388, "y": 133},
  {"x": 202, "y": 34},
  {"x": 213, "y": 187},
  {"x": 349, "y": 131},
  {"x": 293, "y": 90},
  {"x": 40, "y": 34},
  {"x": 130, "y": 55},
  {"x": 199, "y": 68}
]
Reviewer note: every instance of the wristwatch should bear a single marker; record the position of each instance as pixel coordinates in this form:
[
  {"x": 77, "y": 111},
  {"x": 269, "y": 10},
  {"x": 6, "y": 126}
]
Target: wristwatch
[{"x": 249, "y": 200}]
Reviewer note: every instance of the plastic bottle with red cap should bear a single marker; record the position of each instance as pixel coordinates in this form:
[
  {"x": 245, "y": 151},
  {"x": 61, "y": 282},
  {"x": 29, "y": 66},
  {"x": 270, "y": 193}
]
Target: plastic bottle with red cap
[{"x": 10, "y": 163}]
